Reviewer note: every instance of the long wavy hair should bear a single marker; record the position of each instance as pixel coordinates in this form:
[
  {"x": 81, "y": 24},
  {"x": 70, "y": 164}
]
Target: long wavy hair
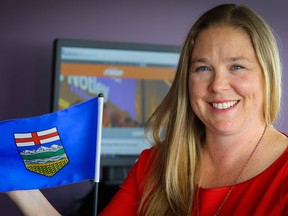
[{"x": 178, "y": 133}]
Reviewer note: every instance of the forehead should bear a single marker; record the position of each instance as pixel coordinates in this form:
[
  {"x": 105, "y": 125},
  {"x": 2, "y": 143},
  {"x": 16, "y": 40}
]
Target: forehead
[{"x": 223, "y": 38}]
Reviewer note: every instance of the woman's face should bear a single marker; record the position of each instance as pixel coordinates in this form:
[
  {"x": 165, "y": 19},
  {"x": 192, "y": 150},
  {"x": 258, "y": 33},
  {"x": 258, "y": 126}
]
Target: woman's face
[{"x": 226, "y": 80}]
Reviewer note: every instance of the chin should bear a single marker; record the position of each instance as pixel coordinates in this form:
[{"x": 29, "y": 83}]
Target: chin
[{"x": 225, "y": 128}]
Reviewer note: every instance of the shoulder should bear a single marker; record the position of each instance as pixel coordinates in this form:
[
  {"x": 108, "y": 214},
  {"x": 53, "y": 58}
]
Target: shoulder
[
  {"x": 283, "y": 160},
  {"x": 144, "y": 163},
  {"x": 274, "y": 150},
  {"x": 126, "y": 200},
  {"x": 141, "y": 167},
  {"x": 146, "y": 154}
]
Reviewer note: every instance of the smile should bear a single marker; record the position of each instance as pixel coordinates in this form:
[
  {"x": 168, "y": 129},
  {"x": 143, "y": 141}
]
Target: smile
[{"x": 224, "y": 105}]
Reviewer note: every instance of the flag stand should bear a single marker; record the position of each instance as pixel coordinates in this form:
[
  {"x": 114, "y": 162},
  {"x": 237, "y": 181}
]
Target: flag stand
[
  {"x": 98, "y": 151},
  {"x": 95, "y": 206}
]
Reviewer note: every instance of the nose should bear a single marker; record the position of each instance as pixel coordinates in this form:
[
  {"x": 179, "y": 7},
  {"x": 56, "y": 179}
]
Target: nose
[{"x": 219, "y": 81}]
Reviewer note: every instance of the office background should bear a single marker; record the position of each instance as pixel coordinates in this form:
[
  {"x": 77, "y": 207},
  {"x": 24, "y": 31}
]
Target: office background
[{"x": 28, "y": 29}]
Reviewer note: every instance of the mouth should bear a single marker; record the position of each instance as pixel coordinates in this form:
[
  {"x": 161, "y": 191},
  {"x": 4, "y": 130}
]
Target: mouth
[{"x": 224, "y": 105}]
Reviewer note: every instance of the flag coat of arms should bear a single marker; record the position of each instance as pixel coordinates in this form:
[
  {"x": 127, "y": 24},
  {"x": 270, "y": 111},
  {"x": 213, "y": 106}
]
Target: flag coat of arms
[
  {"x": 42, "y": 151},
  {"x": 53, "y": 149}
]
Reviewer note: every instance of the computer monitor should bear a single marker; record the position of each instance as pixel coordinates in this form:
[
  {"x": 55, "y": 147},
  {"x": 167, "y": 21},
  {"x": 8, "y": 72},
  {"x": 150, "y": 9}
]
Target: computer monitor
[{"x": 134, "y": 79}]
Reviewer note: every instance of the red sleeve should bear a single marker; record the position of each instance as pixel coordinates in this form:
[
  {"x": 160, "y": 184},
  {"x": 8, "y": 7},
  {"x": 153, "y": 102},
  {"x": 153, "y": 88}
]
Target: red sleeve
[
  {"x": 284, "y": 188},
  {"x": 126, "y": 200},
  {"x": 284, "y": 192}
]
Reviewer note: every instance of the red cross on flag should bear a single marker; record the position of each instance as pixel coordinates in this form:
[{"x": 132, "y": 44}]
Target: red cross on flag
[{"x": 36, "y": 138}]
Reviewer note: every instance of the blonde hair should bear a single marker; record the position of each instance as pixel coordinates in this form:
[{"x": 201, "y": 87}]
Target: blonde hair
[{"x": 170, "y": 186}]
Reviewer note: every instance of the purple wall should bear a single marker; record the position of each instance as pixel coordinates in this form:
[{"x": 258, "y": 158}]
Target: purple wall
[{"x": 28, "y": 29}]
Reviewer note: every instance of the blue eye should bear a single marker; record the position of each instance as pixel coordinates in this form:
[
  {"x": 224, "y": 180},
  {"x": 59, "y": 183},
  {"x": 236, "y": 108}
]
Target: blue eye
[
  {"x": 237, "y": 67},
  {"x": 202, "y": 68}
]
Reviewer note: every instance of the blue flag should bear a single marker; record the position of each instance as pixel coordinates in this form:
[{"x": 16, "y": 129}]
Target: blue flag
[{"x": 53, "y": 149}]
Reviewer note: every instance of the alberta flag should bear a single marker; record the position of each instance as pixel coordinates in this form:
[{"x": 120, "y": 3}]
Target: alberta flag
[{"x": 53, "y": 149}]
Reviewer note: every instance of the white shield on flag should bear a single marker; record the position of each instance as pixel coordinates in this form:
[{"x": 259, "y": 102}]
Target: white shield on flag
[{"x": 42, "y": 151}]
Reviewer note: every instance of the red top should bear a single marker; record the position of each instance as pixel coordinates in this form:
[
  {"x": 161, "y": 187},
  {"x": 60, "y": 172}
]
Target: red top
[{"x": 265, "y": 194}]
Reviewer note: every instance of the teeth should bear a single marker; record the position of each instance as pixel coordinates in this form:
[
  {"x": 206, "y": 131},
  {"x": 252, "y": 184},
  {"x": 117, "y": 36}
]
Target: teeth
[{"x": 224, "y": 105}]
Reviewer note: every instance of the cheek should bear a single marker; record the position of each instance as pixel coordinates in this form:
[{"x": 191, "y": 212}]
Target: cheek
[
  {"x": 195, "y": 93},
  {"x": 253, "y": 90},
  {"x": 197, "y": 88}
]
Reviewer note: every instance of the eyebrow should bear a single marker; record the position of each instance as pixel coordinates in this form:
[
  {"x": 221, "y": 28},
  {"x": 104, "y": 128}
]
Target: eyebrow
[
  {"x": 238, "y": 58},
  {"x": 232, "y": 59},
  {"x": 201, "y": 60}
]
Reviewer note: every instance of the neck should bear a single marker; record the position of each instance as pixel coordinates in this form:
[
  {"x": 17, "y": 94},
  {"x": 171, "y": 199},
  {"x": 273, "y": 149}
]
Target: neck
[{"x": 226, "y": 151}]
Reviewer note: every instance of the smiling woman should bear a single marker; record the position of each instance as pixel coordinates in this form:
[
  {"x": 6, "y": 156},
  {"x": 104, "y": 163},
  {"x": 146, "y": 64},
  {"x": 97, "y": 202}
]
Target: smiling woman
[
  {"x": 215, "y": 151},
  {"x": 220, "y": 154},
  {"x": 224, "y": 81}
]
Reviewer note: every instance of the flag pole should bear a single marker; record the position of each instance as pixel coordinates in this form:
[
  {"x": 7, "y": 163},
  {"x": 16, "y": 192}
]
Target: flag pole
[{"x": 98, "y": 151}]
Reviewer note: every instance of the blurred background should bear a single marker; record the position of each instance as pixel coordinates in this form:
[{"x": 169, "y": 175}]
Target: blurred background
[{"x": 28, "y": 29}]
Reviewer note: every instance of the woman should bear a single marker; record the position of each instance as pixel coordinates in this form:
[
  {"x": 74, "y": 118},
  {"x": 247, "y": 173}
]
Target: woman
[
  {"x": 220, "y": 154},
  {"x": 216, "y": 151}
]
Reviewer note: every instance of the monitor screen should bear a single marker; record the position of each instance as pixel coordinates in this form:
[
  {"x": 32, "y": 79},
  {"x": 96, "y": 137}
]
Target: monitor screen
[{"x": 134, "y": 79}]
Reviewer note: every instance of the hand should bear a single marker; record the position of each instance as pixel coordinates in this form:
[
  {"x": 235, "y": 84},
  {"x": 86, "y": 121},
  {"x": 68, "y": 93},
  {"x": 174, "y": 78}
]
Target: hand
[{"x": 32, "y": 203}]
